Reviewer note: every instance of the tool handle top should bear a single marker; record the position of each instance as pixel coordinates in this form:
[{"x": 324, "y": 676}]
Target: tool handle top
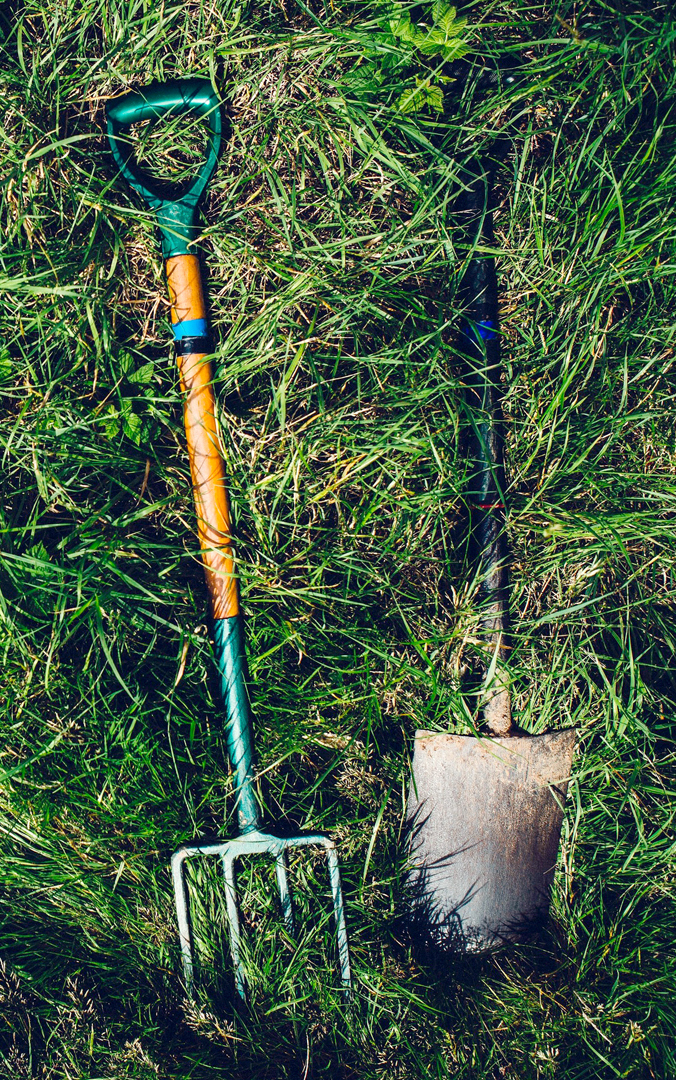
[
  {"x": 163, "y": 99},
  {"x": 176, "y": 216}
]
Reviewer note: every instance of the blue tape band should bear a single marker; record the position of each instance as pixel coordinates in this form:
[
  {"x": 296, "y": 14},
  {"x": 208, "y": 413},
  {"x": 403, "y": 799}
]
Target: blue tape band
[
  {"x": 481, "y": 331},
  {"x": 190, "y": 328},
  {"x": 485, "y": 330}
]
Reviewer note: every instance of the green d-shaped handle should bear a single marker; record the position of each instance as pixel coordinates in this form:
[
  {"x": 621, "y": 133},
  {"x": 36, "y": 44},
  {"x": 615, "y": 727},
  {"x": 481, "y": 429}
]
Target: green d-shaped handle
[{"x": 176, "y": 217}]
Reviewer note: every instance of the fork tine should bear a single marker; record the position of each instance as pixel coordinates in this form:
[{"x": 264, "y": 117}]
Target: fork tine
[
  {"x": 339, "y": 916},
  {"x": 233, "y": 923},
  {"x": 284, "y": 894},
  {"x": 182, "y": 916}
]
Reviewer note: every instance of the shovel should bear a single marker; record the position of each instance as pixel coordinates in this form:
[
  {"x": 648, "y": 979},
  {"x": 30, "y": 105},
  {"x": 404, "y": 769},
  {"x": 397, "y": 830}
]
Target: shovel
[
  {"x": 485, "y": 811},
  {"x": 179, "y": 228}
]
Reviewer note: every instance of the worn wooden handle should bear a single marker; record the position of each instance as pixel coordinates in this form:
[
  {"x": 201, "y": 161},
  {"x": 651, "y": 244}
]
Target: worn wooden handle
[
  {"x": 486, "y": 488},
  {"x": 189, "y": 317}
]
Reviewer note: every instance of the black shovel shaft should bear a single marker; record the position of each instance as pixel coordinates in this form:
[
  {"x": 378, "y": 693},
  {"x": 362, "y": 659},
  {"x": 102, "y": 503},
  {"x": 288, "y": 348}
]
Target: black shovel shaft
[{"x": 481, "y": 347}]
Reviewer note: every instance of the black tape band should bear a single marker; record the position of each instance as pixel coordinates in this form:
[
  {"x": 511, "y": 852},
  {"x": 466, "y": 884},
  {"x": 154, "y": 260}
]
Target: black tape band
[{"x": 187, "y": 345}]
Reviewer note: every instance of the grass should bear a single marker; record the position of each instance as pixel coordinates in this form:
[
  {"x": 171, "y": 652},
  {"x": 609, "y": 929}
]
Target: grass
[{"x": 332, "y": 260}]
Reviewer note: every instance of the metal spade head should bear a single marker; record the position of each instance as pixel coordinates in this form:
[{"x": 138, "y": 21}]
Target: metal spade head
[
  {"x": 485, "y": 816},
  {"x": 255, "y": 842}
]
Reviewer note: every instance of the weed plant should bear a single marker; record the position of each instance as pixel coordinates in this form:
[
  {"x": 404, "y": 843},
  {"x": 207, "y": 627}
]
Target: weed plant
[{"x": 333, "y": 256}]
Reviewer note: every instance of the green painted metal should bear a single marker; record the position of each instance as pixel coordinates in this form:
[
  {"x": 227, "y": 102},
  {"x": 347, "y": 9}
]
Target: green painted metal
[
  {"x": 256, "y": 843},
  {"x": 231, "y": 660},
  {"x": 176, "y": 217}
]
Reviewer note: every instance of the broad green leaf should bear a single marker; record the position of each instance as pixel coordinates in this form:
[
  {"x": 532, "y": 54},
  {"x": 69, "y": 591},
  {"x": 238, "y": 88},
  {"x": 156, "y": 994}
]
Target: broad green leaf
[
  {"x": 142, "y": 375},
  {"x": 111, "y": 422},
  {"x": 133, "y": 426}
]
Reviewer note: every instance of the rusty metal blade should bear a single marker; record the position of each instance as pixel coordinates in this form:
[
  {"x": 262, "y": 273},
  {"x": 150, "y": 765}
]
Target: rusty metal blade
[{"x": 485, "y": 817}]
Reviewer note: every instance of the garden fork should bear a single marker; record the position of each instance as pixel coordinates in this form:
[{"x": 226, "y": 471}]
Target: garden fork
[{"x": 177, "y": 219}]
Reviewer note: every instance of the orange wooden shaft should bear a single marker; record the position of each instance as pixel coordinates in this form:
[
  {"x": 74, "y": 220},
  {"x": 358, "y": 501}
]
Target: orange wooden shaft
[
  {"x": 206, "y": 461},
  {"x": 185, "y": 288}
]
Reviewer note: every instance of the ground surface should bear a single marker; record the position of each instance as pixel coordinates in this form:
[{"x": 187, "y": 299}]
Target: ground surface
[{"x": 333, "y": 258}]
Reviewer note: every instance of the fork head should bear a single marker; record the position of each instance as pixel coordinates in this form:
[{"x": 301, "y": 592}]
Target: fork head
[{"x": 255, "y": 842}]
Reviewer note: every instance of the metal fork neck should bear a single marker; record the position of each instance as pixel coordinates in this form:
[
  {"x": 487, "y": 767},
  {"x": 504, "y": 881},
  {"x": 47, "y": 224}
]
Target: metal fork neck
[{"x": 231, "y": 660}]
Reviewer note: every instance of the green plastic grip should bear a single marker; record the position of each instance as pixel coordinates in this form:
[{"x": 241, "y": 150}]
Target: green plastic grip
[{"x": 177, "y": 218}]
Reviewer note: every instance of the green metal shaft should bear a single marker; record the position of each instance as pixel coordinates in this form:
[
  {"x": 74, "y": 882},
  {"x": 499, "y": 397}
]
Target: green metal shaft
[{"x": 231, "y": 660}]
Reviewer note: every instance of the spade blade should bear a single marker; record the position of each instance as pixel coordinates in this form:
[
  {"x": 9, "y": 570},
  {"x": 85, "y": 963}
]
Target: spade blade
[{"x": 484, "y": 818}]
